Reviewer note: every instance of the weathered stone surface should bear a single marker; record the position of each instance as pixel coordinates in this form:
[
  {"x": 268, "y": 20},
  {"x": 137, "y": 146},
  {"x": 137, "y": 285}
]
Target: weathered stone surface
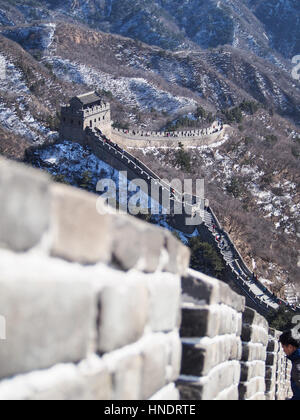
[
  {"x": 251, "y": 370},
  {"x": 94, "y": 386},
  {"x": 230, "y": 298},
  {"x": 252, "y": 317},
  {"x": 248, "y": 390},
  {"x": 146, "y": 244},
  {"x": 229, "y": 394},
  {"x": 155, "y": 361},
  {"x": 200, "y": 321},
  {"x": 255, "y": 334},
  {"x": 209, "y": 387},
  {"x": 203, "y": 289},
  {"x": 253, "y": 351},
  {"x": 80, "y": 233},
  {"x": 273, "y": 346},
  {"x": 179, "y": 255},
  {"x": 124, "y": 309},
  {"x": 164, "y": 287},
  {"x": 174, "y": 356},
  {"x": 62, "y": 382},
  {"x": 168, "y": 393},
  {"x": 271, "y": 359},
  {"x": 270, "y": 373},
  {"x": 198, "y": 359},
  {"x": 127, "y": 378},
  {"x": 24, "y": 204},
  {"x": 47, "y": 323}
]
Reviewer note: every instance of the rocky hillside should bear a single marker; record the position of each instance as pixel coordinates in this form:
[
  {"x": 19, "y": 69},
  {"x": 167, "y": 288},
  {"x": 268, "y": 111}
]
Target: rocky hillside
[{"x": 256, "y": 25}]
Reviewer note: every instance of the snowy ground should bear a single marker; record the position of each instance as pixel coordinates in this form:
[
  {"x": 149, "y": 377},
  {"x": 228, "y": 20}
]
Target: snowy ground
[
  {"x": 222, "y": 167},
  {"x": 133, "y": 92},
  {"x": 14, "y": 115}
]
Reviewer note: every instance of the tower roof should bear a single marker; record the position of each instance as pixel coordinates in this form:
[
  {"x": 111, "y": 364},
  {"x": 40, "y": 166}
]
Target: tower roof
[{"x": 89, "y": 98}]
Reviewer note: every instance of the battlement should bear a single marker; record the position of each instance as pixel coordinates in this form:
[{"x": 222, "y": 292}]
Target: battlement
[{"x": 90, "y": 111}]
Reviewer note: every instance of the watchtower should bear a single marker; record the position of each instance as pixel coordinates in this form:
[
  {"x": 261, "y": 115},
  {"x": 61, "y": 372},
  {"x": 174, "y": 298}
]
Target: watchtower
[{"x": 88, "y": 110}]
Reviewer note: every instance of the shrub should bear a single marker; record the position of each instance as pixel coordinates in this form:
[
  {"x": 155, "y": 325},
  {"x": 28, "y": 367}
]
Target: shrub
[
  {"x": 183, "y": 158},
  {"x": 204, "y": 258}
]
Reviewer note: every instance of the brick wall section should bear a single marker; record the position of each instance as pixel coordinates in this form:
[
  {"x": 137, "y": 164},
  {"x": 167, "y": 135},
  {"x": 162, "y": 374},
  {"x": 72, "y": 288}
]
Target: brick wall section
[
  {"x": 211, "y": 336},
  {"x": 278, "y": 370},
  {"x": 91, "y": 301},
  {"x": 95, "y": 304}
]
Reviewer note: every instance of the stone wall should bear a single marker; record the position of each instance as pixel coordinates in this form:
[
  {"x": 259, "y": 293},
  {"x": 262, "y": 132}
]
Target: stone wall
[
  {"x": 211, "y": 336},
  {"x": 255, "y": 339},
  {"x": 278, "y": 370},
  {"x": 195, "y": 138},
  {"x": 103, "y": 306},
  {"x": 91, "y": 302}
]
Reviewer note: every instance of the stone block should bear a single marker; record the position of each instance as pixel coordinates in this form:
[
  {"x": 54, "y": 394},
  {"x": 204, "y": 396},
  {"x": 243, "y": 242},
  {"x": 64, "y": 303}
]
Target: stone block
[
  {"x": 260, "y": 396},
  {"x": 255, "y": 334},
  {"x": 200, "y": 321},
  {"x": 270, "y": 396},
  {"x": 80, "y": 233},
  {"x": 273, "y": 346},
  {"x": 250, "y": 370},
  {"x": 127, "y": 378},
  {"x": 67, "y": 382},
  {"x": 251, "y": 317},
  {"x": 252, "y": 351},
  {"x": 229, "y": 394},
  {"x": 270, "y": 385},
  {"x": 202, "y": 289},
  {"x": 271, "y": 359},
  {"x": 271, "y": 373},
  {"x": 155, "y": 361},
  {"x": 211, "y": 386},
  {"x": 179, "y": 255},
  {"x": 248, "y": 390},
  {"x": 230, "y": 298},
  {"x": 165, "y": 299},
  {"x": 124, "y": 311},
  {"x": 205, "y": 290},
  {"x": 24, "y": 204},
  {"x": 146, "y": 244},
  {"x": 48, "y": 322},
  {"x": 174, "y": 354},
  {"x": 198, "y": 359}
]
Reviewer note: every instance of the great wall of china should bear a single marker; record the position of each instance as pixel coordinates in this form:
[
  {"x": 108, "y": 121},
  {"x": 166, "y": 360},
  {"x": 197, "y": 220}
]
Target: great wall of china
[
  {"x": 137, "y": 322},
  {"x": 103, "y": 306}
]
